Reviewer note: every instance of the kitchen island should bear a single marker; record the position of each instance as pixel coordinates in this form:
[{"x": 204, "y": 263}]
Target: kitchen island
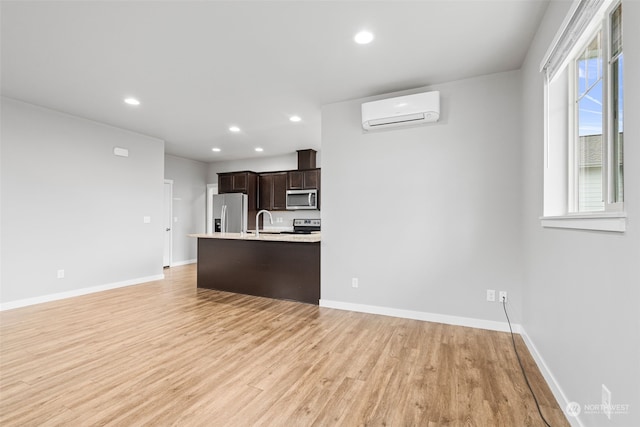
[{"x": 282, "y": 266}]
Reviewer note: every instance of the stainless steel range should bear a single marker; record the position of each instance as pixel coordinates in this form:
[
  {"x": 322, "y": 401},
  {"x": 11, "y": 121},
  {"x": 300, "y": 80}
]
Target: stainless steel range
[{"x": 304, "y": 226}]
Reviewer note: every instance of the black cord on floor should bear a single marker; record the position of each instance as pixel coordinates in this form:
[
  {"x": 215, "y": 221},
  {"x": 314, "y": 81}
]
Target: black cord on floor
[{"x": 524, "y": 374}]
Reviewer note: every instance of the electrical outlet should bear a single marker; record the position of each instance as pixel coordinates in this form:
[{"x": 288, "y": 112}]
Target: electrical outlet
[
  {"x": 503, "y": 296},
  {"x": 354, "y": 282},
  {"x": 60, "y": 274},
  {"x": 606, "y": 401},
  {"x": 491, "y": 295}
]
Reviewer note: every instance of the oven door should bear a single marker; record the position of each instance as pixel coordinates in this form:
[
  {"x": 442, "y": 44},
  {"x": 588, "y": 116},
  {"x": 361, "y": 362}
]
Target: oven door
[{"x": 302, "y": 199}]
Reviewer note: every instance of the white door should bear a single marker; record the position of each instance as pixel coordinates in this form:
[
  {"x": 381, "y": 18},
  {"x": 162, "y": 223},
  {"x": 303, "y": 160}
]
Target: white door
[{"x": 168, "y": 217}]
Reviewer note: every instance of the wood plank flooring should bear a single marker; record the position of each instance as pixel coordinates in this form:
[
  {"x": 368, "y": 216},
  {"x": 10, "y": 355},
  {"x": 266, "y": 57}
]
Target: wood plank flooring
[{"x": 165, "y": 353}]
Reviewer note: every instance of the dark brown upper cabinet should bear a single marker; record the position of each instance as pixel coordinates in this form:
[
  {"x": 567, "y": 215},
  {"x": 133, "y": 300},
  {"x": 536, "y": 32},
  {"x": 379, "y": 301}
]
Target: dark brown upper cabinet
[
  {"x": 242, "y": 182},
  {"x": 303, "y": 179},
  {"x": 272, "y": 191},
  {"x": 237, "y": 182}
]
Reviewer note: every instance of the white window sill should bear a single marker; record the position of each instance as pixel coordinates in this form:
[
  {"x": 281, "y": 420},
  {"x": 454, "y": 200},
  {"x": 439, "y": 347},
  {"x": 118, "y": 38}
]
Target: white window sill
[{"x": 614, "y": 221}]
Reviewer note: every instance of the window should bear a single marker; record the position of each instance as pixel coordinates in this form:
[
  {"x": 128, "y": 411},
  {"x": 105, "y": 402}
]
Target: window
[
  {"x": 616, "y": 62},
  {"x": 584, "y": 120}
]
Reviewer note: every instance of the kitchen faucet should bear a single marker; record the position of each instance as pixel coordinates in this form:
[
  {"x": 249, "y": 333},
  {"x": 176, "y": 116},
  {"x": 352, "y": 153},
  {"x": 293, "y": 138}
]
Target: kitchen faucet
[{"x": 258, "y": 224}]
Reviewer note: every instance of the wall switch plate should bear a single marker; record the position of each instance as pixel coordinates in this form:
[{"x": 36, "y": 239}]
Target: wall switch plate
[
  {"x": 491, "y": 295},
  {"x": 503, "y": 296},
  {"x": 354, "y": 282},
  {"x": 606, "y": 401},
  {"x": 60, "y": 274},
  {"x": 146, "y": 219}
]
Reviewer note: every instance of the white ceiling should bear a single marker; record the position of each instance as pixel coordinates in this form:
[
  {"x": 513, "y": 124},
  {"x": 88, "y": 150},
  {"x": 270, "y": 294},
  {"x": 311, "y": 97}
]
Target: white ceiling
[{"x": 199, "y": 67}]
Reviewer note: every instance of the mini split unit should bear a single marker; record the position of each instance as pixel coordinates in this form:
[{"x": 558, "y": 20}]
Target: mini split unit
[{"x": 408, "y": 110}]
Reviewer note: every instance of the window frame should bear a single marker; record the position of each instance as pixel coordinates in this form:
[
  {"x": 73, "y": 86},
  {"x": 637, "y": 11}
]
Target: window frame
[{"x": 565, "y": 213}]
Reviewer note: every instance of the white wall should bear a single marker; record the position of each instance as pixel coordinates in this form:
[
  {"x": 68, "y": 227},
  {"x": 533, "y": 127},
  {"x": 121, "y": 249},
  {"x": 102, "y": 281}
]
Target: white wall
[
  {"x": 428, "y": 217},
  {"x": 69, "y": 203},
  {"x": 581, "y": 304},
  {"x": 189, "y": 196},
  {"x": 268, "y": 164}
]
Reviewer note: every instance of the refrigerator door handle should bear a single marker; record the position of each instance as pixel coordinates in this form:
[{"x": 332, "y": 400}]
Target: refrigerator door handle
[{"x": 223, "y": 219}]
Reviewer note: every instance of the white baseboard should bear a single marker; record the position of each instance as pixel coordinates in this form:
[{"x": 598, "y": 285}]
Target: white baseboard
[
  {"x": 76, "y": 292},
  {"x": 420, "y": 315},
  {"x": 179, "y": 263},
  {"x": 557, "y": 391}
]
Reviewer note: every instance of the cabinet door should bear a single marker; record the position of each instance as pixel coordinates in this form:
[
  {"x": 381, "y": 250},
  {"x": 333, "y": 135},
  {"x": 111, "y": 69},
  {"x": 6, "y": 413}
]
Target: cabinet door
[
  {"x": 240, "y": 182},
  {"x": 311, "y": 180},
  {"x": 225, "y": 184},
  {"x": 295, "y": 180},
  {"x": 265, "y": 193},
  {"x": 279, "y": 192},
  {"x": 272, "y": 194}
]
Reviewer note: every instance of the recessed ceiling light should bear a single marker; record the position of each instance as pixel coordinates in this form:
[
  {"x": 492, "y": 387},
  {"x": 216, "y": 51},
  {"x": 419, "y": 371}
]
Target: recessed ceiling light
[
  {"x": 132, "y": 101},
  {"x": 234, "y": 129},
  {"x": 217, "y": 150},
  {"x": 295, "y": 118},
  {"x": 259, "y": 150},
  {"x": 363, "y": 37}
]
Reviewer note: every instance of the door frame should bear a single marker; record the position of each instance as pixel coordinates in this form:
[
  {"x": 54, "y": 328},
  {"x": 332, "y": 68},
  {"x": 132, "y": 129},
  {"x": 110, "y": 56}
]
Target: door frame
[
  {"x": 170, "y": 182},
  {"x": 211, "y": 190}
]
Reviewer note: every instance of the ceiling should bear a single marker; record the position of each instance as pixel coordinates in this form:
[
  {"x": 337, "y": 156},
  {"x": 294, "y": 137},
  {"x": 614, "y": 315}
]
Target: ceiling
[{"x": 199, "y": 67}]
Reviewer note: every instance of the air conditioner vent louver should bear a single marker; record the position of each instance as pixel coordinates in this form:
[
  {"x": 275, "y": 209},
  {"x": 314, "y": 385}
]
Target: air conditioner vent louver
[{"x": 401, "y": 111}]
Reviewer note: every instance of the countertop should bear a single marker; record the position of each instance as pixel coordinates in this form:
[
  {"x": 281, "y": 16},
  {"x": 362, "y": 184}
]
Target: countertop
[{"x": 267, "y": 237}]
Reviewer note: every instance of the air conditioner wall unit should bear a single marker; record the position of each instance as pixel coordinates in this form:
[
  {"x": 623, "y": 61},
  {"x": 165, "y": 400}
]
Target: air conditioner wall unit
[{"x": 406, "y": 110}]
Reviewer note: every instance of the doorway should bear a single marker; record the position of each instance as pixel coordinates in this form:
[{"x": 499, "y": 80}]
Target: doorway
[
  {"x": 212, "y": 189},
  {"x": 168, "y": 223}
]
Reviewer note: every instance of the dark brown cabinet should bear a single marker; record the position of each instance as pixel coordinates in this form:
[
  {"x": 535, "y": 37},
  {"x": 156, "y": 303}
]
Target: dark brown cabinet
[
  {"x": 236, "y": 182},
  {"x": 303, "y": 179},
  {"x": 272, "y": 191},
  {"x": 242, "y": 182},
  {"x": 283, "y": 270}
]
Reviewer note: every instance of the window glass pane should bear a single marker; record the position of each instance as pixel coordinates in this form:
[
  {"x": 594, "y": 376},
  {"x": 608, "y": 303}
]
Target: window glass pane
[
  {"x": 589, "y": 150},
  {"x": 591, "y": 62},
  {"x": 618, "y": 90},
  {"x": 582, "y": 77},
  {"x": 617, "y": 161},
  {"x": 590, "y": 173}
]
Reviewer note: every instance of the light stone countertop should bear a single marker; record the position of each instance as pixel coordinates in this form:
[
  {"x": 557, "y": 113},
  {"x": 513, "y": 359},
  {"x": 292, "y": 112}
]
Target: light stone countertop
[{"x": 264, "y": 236}]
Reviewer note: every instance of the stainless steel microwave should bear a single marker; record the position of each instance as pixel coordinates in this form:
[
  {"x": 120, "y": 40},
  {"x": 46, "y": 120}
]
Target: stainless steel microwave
[{"x": 302, "y": 199}]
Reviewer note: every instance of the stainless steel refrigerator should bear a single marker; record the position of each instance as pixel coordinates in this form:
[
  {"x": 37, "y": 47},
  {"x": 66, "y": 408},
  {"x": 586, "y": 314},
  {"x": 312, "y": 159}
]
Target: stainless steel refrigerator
[{"x": 230, "y": 212}]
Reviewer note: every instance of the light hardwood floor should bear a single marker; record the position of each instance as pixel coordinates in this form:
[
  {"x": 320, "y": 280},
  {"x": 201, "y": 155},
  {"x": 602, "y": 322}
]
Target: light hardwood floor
[{"x": 167, "y": 353}]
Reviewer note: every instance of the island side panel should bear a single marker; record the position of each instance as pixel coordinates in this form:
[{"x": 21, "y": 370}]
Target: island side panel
[{"x": 282, "y": 270}]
